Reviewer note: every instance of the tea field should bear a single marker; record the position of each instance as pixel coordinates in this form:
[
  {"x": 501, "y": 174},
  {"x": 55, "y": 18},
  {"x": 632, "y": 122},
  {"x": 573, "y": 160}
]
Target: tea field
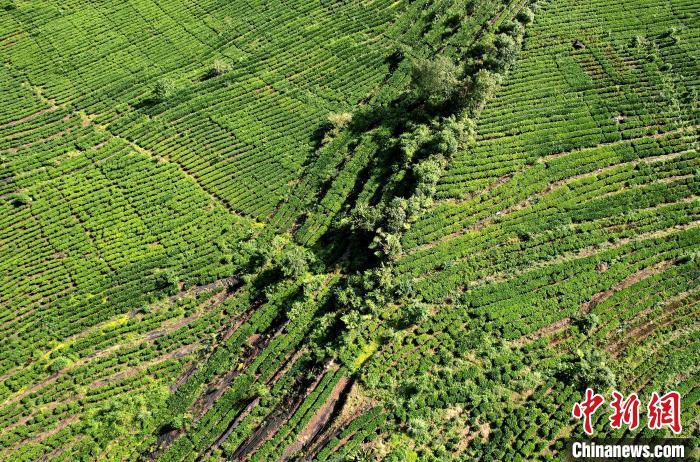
[{"x": 344, "y": 230}]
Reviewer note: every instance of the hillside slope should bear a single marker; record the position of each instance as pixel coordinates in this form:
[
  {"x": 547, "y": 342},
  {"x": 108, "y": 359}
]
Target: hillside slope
[{"x": 252, "y": 230}]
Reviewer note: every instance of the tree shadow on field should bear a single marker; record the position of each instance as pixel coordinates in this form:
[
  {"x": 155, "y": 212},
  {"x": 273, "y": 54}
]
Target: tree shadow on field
[
  {"x": 394, "y": 60},
  {"x": 319, "y": 134},
  {"x": 380, "y": 125},
  {"x": 146, "y": 103}
]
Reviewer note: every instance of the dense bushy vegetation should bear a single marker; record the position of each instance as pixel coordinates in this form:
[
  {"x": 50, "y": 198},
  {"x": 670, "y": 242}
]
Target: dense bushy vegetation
[{"x": 342, "y": 231}]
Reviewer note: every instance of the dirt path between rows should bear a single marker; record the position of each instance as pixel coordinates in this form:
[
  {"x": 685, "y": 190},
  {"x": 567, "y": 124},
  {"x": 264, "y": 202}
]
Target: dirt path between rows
[{"x": 320, "y": 419}]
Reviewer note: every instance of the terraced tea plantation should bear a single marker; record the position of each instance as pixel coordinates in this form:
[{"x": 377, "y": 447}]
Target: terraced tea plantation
[{"x": 344, "y": 230}]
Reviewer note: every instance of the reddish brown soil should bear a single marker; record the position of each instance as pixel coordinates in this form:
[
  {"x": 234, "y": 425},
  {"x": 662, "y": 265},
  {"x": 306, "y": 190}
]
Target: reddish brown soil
[{"x": 320, "y": 419}]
